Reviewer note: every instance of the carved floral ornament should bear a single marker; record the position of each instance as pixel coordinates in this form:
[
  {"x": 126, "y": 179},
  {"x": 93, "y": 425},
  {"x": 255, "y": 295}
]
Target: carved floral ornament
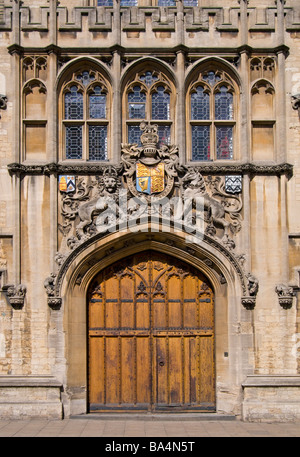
[{"x": 151, "y": 185}]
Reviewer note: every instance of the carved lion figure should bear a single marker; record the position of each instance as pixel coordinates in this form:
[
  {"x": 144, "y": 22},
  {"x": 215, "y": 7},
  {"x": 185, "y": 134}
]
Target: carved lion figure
[{"x": 194, "y": 187}]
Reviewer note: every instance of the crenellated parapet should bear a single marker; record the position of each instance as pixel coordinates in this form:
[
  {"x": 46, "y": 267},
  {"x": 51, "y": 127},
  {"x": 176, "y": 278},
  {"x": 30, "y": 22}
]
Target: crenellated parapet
[{"x": 126, "y": 19}]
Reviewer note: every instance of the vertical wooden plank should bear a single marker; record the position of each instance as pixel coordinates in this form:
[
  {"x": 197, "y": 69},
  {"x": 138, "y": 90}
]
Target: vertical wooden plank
[
  {"x": 112, "y": 370},
  {"x": 161, "y": 369},
  {"x": 112, "y": 303},
  {"x": 143, "y": 370},
  {"x": 96, "y": 378},
  {"x": 174, "y": 302},
  {"x": 175, "y": 370},
  {"x": 190, "y": 302},
  {"x": 127, "y": 381},
  {"x": 206, "y": 370},
  {"x": 127, "y": 302}
]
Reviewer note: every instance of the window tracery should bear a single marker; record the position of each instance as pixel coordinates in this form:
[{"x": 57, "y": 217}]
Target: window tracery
[
  {"x": 149, "y": 97},
  {"x": 85, "y": 117},
  {"x": 211, "y": 117}
]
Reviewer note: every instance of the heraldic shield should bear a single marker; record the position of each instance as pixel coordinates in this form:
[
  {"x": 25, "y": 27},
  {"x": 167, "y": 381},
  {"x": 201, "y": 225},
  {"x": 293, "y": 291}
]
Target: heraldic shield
[{"x": 150, "y": 180}]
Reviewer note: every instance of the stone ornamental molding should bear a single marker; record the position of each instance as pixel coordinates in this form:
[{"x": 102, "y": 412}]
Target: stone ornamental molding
[
  {"x": 285, "y": 295},
  {"x": 249, "y": 168},
  {"x": 15, "y": 294},
  {"x": 136, "y": 193},
  {"x": 101, "y": 19}
]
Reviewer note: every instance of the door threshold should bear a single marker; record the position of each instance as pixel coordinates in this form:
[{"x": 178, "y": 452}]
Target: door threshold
[{"x": 157, "y": 416}]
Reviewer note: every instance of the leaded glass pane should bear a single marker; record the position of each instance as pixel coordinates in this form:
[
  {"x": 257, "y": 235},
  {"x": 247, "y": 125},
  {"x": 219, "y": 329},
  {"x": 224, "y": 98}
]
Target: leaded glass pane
[
  {"x": 97, "y": 142},
  {"x": 160, "y": 104},
  {"x": 74, "y": 142},
  {"x": 148, "y": 78},
  {"x": 105, "y": 3},
  {"x": 166, "y": 3},
  {"x": 224, "y": 135},
  {"x": 190, "y": 2},
  {"x": 223, "y": 104},
  {"x": 199, "y": 104},
  {"x": 73, "y": 104},
  {"x": 137, "y": 104},
  {"x": 129, "y": 2},
  {"x": 134, "y": 135},
  {"x": 164, "y": 134},
  {"x": 97, "y": 104},
  {"x": 200, "y": 142},
  {"x": 211, "y": 78},
  {"x": 86, "y": 78}
]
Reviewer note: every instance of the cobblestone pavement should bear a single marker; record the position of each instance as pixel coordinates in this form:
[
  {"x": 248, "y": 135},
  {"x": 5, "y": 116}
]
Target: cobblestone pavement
[{"x": 90, "y": 427}]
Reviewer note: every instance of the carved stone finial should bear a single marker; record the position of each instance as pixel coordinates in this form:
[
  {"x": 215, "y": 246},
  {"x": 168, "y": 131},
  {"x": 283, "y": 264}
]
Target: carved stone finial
[
  {"x": 16, "y": 295},
  {"x": 285, "y": 295}
]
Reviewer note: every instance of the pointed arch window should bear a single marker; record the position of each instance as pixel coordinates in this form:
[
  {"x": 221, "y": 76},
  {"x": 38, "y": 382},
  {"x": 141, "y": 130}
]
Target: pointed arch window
[
  {"x": 211, "y": 108},
  {"x": 149, "y": 97},
  {"x": 85, "y": 117}
]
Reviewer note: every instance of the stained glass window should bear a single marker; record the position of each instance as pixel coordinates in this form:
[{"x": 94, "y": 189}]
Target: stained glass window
[
  {"x": 97, "y": 142},
  {"x": 97, "y": 102},
  {"x": 166, "y": 3},
  {"x": 149, "y": 98},
  {"x": 224, "y": 136},
  {"x": 190, "y": 2},
  {"x": 74, "y": 142},
  {"x": 200, "y": 142},
  {"x": 223, "y": 104},
  {"x": 74, "y": 104},
  {"x": 85, "y": 119},
  {"x": 137, "y": 103},
  {"x": 199, "y": 104},
  {"x": 85, "y": 78},
  {"x": 134, "y": 135},
  {"x": 211, "y": 104},
  {"x": 164, "y": 134},
  {"x": 129, "y": 2},
  {"x": 105, "y": 2},
  {"x": 148, "y": 78},
  {"x": 160, "y": 104},
  {"x": 211, "y": 78}
]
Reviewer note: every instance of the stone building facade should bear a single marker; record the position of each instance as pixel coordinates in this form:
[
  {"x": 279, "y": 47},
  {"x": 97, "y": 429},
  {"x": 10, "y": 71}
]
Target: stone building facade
[{"x": 149, "y": 207}]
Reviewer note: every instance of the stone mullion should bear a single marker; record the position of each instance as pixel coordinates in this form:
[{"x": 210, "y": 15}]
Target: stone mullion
[
  {"x": 180, "y": 132},
  {"x": 116, "y": 124},
  {"x": 280, "y": 87}
]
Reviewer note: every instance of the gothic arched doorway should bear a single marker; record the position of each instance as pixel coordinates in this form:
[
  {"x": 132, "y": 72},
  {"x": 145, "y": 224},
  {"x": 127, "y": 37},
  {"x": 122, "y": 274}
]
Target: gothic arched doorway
[{"x": 151, "y": 336}]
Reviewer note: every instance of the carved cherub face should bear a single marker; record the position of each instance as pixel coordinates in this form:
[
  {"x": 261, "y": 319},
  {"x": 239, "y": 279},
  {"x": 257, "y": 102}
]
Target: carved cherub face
[{"x": 110, "y": 184}]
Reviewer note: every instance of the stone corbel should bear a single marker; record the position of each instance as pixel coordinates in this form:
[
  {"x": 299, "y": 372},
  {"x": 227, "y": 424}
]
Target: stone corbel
[
  {"x": 15, "y": 294},
  {"x": 249, "y": 300},
  {"x": 53, "y": 300},
  {"x": 296, "y": 103},
  {"x": 285, "y": 295},
  {"x": 3, "y": 102}
]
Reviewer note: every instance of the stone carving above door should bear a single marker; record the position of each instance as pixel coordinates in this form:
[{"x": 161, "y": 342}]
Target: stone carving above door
[{"x": 149, "y": 183}]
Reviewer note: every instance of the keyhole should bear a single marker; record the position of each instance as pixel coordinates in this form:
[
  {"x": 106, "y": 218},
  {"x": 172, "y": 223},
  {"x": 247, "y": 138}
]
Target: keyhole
[{"x": 161, "y": 364}]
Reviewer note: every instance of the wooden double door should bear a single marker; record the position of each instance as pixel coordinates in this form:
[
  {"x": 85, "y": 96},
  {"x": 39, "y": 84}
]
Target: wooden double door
[{"x": 151, "y": 337}]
